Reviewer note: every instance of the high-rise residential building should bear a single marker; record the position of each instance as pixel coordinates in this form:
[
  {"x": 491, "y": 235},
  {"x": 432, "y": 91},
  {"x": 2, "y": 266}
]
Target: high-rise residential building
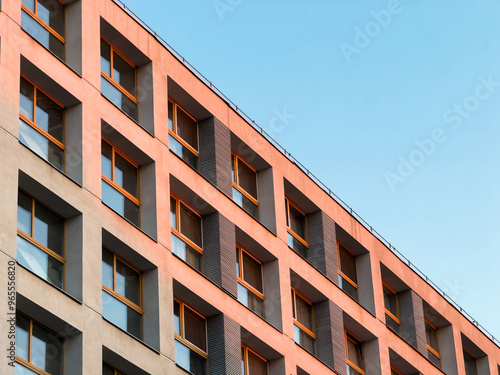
[{"x": 150, "y": 228}]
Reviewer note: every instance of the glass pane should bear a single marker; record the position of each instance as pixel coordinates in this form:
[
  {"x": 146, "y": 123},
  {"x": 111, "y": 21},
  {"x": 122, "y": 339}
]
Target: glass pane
[
  {"x": 39, "y": 262},
  {"x": 107, "y": 269},
  {"x": 298, "y": 246},
  {"x": 106, "y": 370},
  {"x": 121, "y": 315},
  {"x": 106, "y": 159},
  {"x": 187, "y": 128},
  {"x": 347, "y": 264},
  {"x": 21, "y": 370},
  {"x": 24, "y": 207},
  {"x": 173, "y": 214},
  {"x": 177, "y": 317},
  {"x": 238, "y": 262},
  {"x": 26, "y": 97},
  {"x": 252, "y": 272},
  {"x": 392, "y": 323},
  {"x": 124, "y": 74},
  {"x": 125, "y": 175},
  {"x": 170, "y": 115},
  {"x": 190, "y": 224},
  {"x": 431, "y": 336},
  {"x": 120, "y": 204},
  {"x": 40, "y": 145},
  {"x": 187, "y": 253},
  {"x": 470, "y": 364},
  {"x": 105, "y": 58},
  {"x": 183, "y": 152},
  {"x": 250, "y": 300},
  {"x": 304, "y": 312},
  {"x": 190, "y": 360},
  {"x": 116, "y": 97},
  {"x": 40, "y": 34},
  {"x": 433, "y": 358},
  {"x": 195, "y": 329},
  {"x": 352, "y": 371},
  {"x": 30, "y": 4},
  {"x": 256, "y": 366},
  {"x": 56, "y": 47},
  {"x": 49, "y": 229},
  {"x": 390, "y": 301},
  {"x": 49, "y": 116},
  {"x": 52, "y": 13},
  {"x": 297, "y": 222},
  {"x": 46, "y": 350},
  {"x": 246, "y": 204},
  {"x": 303, "y": 339},
  {"x": 354, "y": 353},
  {"x": 22, "y": 337},
  {"x": 247, "y": 179},
  {"x": 347, "y": 287},
  {"x": 128, "y": 282}
]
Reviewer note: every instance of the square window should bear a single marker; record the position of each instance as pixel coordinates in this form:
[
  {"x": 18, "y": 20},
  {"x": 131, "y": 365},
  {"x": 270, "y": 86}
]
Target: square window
[
  {"x": 296, "y": 223},
  {"x": 183, "y": 134},
  {"x": 354, "y": 355},
  {"x": 391, "y": 307},
  {"x": 252, "y": 363},
  {"x": 303, "y": 322},
  {"x": 250, "y": 286},
  {"x": 470, "y": 363},
  {"x": 348, "y": 280},
  {"x": 432, "y": 343},
  {"x": 245, "y": 186}
]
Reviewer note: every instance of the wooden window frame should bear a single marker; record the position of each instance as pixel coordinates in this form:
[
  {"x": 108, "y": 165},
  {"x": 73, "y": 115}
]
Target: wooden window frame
[
  {"x": 246, "y": 349},
  {"x": 387, "y": 312},
  {"x": 112, "y": 51},
  {"x": 138, "y": 308},
  {"x": 241, "y": 279},
  {"x": 303, "y": 241},
  {"x": 393, "y": 368},
  {"x": 430, "y": 348},
  {"x": 31, "y": 239},
  {"x": 42, "y": 23},
  {"x": 348, "y": 335},
  {"x": 33, "y": 123},
  {"x": 180, "y": 337},
  {"x": 28, "y": 363},
  {"x": 173, "y": 132},
  {"x": 177, "y": 231},
  {"x": 236, "y": 160},
  {"x": 343, "y": 275},
  {"x": 301, "y": 326},
  {"x": 112, "y": 182}
]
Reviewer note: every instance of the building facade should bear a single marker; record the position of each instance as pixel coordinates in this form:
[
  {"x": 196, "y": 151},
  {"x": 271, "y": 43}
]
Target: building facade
[{"x": 148, "y": 228}]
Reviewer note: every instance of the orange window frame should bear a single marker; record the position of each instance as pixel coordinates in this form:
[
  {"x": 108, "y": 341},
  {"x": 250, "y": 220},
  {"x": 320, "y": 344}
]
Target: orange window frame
[
  {"x": 177, "y": 231},
  {"x": 33, "y": 124},
  {"x": 389, "y": 313},
  {"x": 296, "y": 293},
  {"x": 173, "y": 132},
  {"x": 246, "y": 349},
  {"x": 111, "y": 80},
  {"x": 358, "y": 342},
  {"x": 241, "y": 279},
  {"x": 430, "y": 348},
  {"x": 117, "y": 295},
  {"x": 303, "y": 241},
  {"x": 396, "y": 370},
  {"x": 28, "y": 363},
  {"x": 112, "y": 182},
  {"x": 31, "y": 239},
  {"x": 42, "y": 23},
  {"x": 236, "y": 185},
  {"x": 344, "y": 276},
  {"x": 180, "y": 337}
]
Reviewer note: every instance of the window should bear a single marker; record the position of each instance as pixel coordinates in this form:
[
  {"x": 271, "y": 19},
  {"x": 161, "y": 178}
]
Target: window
[
  {"x": 250, "y": 288},
  {"x": 245, "y": 186},
  {"x": 118, "y": 80},
  {"x": 41, "y": 124},
  {"x": 183, "y": 134},
  {"x": 121, "y": 294},
  {"x": 470, "y": 363},
  {"x": 38, "y": 349},
  {"x": 44, "y": 21},
  {"x": 395, "y": 371},
  {"x": 186, "y": 233},
  {"x": 108, "y": 370},
  {"x": 432, "y": 343},
  {"x": 296, "y": 223},
  {"x": 391, "y": 307},
  {"x": 40, "y": 240},
  {"x": 348, "y": 280},
  {"x": 354, "y": 355},
  {"x": 120, "y": 183},
  {"x": 303, "y": 322},
  {"x": 252, "y": 363},
  {"x": 190, "y": 331}
]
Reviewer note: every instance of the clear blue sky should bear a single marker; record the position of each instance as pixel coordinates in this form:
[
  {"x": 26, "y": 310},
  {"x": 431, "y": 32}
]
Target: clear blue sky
[{"x": 363, "y": 108}]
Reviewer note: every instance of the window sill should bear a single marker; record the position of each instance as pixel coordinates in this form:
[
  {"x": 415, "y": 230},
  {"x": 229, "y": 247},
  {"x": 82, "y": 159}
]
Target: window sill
[
  {"x": 52, "y": 285},
  {"x": 132, "y": 336}
]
